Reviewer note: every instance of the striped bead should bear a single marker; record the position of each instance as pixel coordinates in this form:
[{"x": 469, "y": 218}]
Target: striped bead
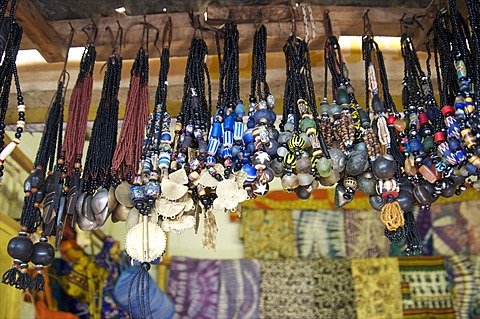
[
  {"x": 213, "y": 145},
  {"x": 238, "y": 131},
  {"x": 227, "y": 139}
]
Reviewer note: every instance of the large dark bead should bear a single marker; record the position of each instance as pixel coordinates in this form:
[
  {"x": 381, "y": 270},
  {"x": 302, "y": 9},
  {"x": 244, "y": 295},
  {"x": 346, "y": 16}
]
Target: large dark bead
[
  {"x": 377, "y": 202},
  {"x": 384, "y": 167},
  {"x": 405, "y": 200},
  {"x": 366, "y": 183},
  {"x": 449, "y": 191},
  {"x": 43, "y": 254},
  {"x": 357, "y": 163},
  {"x": 20, "y": 247},
  {"x": 422, "y": 194},
  {"x": 302, "y": 192}
]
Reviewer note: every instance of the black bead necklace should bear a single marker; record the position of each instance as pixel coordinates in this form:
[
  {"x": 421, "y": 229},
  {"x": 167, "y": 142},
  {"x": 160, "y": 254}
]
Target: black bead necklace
[{"x": 12, "y": 32}]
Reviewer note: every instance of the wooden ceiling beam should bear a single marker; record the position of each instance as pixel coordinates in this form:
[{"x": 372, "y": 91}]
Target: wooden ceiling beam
[
  {"x": 346, "y": 20},
  {"x": 41, "y": 34}
]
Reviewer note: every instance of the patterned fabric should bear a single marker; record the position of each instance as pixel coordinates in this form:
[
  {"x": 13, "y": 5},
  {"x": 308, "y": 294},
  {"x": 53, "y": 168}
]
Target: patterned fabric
[
  {"x": 464, "y": 274},
  {"x": 377, "y": 288},
  {"x": 268, "y": 234},
  {"x": 424, "y": 226},
  {"x": 193, "y": 286},
  {"x": 287, "y": 288},
  {"x": 469, "y": 210},
  {"x": 425, "y": 289},
  {"x": 239, "y": 289},
  {"x": 108, "y": 258},
  {"x": 319, "y": 233},
  {"x": 334, "y": 293},
  {"x": 364, "y": 235},
  {"x": 449, "y": 230}
]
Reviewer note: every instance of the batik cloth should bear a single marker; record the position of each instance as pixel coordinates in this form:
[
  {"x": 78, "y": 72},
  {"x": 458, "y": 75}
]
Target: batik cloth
[
  {"x": 239, "y": 294},
  {"x": 287, "y": 289},
  {"x": 319, "y": 233},
  {"x": 267, "y": 234},
  {"x": 108, "y": 258},
  {"x": 464, "y": 276},
  {"x": 364, "y": 235},
  {"x": 450, "y": 230},
  {"x": 377, "y": 288},
  {"x": 425, "y": 289},
  {"x": 193, "y": 286},
  {"x": 333, "y": 291}
]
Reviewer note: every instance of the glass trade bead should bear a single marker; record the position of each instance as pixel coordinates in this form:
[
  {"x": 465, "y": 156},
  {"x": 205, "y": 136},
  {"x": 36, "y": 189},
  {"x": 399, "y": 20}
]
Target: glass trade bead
[
  {"x": 342, "y": 96},
  {"x": 289, "y": 127},
  {"x": 272, "y": 147},
  {"x": 384, "y": 167},
  {"x": 415, "y": 145},
  {"x": 360, "y": 146},
  {"x": 334, "y": 110},
  {"x": 216, "y": 130},
  {"x": 289, "y": 161},
  {"x": 461, "y": 69},
  {"x": 439, "y": 137},
  {"x": 229, "y": 123},
  {"x": 290, "y": 182},
  {"x": 364, "y": 118},
  {"x": 324, "y": 167},
  {"x": 305, "y": 179},
  {"x": 240, "y": 110},
  {"x": 454, "y": 145},
  {"x": 303, "y": 165},
  {"x": 163, "y": 160},
  {"x": 323, "y": 108},
  {"x": 377, "y": 104},
  {"x": 400, "y": 125},
  {"x": 468, "y": 137},
  {"x": 304, "y": 136},
  {"x": 248, "y": 136},
  {"x": 306, "y": 123},
  {"x": 448, "y": 110},
  {"x": 136, "y": 193},
  {"x": 475, "y": 160},
  {"x": 271, "y": 101},
  {"x": 238, "y": 131},
  {"x": 151, "y": 189},
  {"x": 296, "y": 142},
  {"x": 428, "y": 173},
  {"x": 471, "y": 168},
  {"x": 250, "y": 171}
]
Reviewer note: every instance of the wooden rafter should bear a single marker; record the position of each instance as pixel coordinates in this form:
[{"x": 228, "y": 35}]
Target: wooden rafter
[
  {"x": 41, "y": 34},
  {"x": 346, "y": 20}
]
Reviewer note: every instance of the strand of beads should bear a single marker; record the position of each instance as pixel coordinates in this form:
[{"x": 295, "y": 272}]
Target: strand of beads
[
  {"x": 260, "y": 138},
  {"x": 9, "y": 70}
]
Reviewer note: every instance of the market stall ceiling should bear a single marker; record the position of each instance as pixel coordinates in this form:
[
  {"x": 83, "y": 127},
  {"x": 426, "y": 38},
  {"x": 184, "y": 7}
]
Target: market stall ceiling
[{"x": 87, "y": 9}]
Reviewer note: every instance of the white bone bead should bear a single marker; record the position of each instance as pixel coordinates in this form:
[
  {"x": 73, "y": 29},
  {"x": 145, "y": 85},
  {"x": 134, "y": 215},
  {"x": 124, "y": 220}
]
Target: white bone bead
[
  {"x": 21, "y": 108},
  {"x": 9, "y": 149}
]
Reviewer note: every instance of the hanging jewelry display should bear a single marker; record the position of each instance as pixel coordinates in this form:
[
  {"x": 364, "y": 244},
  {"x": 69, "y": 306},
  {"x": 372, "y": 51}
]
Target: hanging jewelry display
[
  {"x": 129, "y": 146},
  {"x": 40, "y": 187},
  {"x": 12, "y": 32},
  {"x": 344, "y": 113},
  {"x": 93, "y": 207},
  {"x": 302, "y": 146},
  {"x": 261, "y": 135},
  {"x": 146, "y": 241}
]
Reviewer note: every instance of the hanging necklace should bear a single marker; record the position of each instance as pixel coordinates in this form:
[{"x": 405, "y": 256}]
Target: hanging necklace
[
  {"x": 39, "y": 189},
  {"x": 261, "y": 136},
  {"x": 8, "y": 70},
  {"x": 129, "y": 146},
  {"x": 94, "y": 187}
]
